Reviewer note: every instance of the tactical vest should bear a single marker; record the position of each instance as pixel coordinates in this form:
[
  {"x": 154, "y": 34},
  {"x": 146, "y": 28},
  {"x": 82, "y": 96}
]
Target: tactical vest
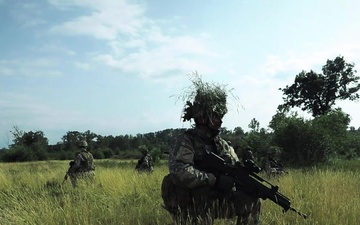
[
  {"x": 87, "y": 162},
  {"x": 219, "y": 147},
  {"x": 175, "y": 196}
]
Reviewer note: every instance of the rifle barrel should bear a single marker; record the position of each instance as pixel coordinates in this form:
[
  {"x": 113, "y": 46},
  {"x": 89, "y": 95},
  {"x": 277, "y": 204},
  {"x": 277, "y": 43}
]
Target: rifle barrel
[{"x": 300, "y": 213}]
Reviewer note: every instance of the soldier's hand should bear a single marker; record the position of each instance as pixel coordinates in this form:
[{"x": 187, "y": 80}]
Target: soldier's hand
[{"x": 224, "y": 182}]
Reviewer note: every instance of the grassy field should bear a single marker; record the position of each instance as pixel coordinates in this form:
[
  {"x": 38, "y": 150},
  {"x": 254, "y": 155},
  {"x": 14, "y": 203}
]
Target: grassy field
[{"x": 33, "y": 193}]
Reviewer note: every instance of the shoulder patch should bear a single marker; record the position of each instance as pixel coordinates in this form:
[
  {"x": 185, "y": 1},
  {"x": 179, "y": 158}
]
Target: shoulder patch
[{"x": 185, "y": 155}]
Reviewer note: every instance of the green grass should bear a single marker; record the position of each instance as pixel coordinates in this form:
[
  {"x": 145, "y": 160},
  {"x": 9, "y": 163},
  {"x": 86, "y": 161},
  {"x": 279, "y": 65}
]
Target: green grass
[{"x": 33, "y": 193}]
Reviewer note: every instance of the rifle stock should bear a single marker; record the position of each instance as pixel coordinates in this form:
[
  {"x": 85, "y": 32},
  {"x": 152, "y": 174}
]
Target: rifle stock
[{"x": 248, "y": 181}]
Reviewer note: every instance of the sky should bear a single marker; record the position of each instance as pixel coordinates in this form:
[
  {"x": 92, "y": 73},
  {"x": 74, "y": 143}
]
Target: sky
[{"x": 118, "y": 67}]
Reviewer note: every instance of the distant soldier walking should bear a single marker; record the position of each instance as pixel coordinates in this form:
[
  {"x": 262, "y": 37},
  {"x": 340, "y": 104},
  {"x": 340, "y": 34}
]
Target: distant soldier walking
[
  {"x": 82, "y": 167},
  {"x": 145, "y": 163}
]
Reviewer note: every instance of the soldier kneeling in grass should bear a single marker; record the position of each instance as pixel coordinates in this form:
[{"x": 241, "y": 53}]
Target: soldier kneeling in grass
[{"x": 271, "y": 166}]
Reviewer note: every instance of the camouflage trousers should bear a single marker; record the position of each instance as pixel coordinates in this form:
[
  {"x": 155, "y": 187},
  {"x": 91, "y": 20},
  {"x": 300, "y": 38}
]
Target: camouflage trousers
[
  {"x": 87, "y": 176},
  {"x": 206, "y": 205}
]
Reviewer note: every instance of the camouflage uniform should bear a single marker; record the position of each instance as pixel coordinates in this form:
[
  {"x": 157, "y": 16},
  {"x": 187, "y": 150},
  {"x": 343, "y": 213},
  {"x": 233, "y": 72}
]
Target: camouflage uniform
[
  {"x": 197, "y": 200},
  {"x": 191, "y": 194},
  {"x": 271, "y": 166},
  {"x": 248, "y": 155},
  {"x": 145, "y": 163},
  {"x": 82, "y": 167}
]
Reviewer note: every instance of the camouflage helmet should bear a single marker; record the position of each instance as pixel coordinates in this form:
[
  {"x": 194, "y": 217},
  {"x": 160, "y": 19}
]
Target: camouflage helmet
[
  {"x": 204, "y": 100},
  {"x": 83, "y": 144}
]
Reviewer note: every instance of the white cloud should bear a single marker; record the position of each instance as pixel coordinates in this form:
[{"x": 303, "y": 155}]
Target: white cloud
[
  {"x": 310, "y": 61},
  {"x": 107, "y": 20},
  {"x": 139, "y": 45},
  {"x": 154, "y": 63},
  {"x": 162, "y": 54}
]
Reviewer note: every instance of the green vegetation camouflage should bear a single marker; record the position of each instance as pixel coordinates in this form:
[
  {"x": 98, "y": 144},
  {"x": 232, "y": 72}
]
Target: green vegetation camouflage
[{"x": 204, "y": 100}]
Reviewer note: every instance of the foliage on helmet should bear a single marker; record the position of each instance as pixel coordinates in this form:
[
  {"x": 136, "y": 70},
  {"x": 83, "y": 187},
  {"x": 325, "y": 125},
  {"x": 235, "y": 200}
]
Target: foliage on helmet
[{"x": 204, "y": 100}]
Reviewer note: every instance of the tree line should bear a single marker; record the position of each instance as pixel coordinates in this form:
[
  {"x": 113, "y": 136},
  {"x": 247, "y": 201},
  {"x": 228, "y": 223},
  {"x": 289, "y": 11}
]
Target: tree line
[{"x": 299, "y": 141}]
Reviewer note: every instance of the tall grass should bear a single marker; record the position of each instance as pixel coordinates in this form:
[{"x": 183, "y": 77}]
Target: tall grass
[{"x": 33, "y": 193}]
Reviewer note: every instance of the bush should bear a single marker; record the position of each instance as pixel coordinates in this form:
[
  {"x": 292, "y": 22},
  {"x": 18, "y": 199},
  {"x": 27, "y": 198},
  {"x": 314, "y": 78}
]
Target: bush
[{"x": 302, "y": 143}]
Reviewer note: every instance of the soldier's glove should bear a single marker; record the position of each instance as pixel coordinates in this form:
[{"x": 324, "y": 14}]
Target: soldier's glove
[{"x": 224, "y": 182}]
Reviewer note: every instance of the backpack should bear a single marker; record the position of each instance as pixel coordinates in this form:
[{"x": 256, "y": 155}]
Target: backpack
[
  {"x": 87, "y": 161},
  {"x": 174, "y": 196}
]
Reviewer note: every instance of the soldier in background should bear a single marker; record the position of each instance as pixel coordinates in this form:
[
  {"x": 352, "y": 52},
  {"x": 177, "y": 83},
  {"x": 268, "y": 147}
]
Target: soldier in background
[
  {"x": 145, "y": 163},
  {"x": 82, "y": 167},
  {"x": 192, "y": 195},
  {"x": 248, "y": 155},
  {"x": 248, "y": 160},
  {"x": 270, "y": 165}
]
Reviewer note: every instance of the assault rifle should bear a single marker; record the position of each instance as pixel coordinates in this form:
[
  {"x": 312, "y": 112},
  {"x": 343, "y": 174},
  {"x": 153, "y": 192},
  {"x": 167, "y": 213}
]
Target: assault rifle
[
  {"x": 247, "y": 181},
  {"x": 277, "y": 165}
]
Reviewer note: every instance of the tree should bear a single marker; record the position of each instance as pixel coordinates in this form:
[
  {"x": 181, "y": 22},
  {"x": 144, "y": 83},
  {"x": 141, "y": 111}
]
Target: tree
[
  {"x": 334, "y": 126},
  {"x": 317, "y": 93},
  {"x": 238, "y": 131},
  {"x": 254, "y": 125},
  {"x": 301, "y": 142},
  {"x": 71, "y": 139},
  {"x": 28, "y": 146}
]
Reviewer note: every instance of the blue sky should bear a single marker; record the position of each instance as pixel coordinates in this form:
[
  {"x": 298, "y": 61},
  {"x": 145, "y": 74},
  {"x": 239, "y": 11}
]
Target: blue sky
[{"x": 111, "y": 66}]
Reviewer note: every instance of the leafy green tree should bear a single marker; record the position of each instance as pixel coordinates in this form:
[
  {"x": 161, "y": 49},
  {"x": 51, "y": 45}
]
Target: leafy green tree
[
  {"x": 238, "y": 131},
  {"x": 156, "y": 154},
  {"x": 254, "y": 125},
  {"x": 71, "y": 139},
  {"x": 259, "y": 141},
  {"x": 301, "y": 143},
  {"x": 28, "y": 146},
  {"x": 334, "y": 126},
  {"x": 317, "y": 93},
  {"x": 98, "y": 154},
  {"x": 88, "y": 136},
  {"x": 352, "y": 146},
  {"x": 225, "y": 131}
]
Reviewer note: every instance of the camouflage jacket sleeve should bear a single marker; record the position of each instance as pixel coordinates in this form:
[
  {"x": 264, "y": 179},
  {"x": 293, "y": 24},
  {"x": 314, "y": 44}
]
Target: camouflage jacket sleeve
[
  {"x": 181, "y": 165},
  {"x": 76, "y": 165}
]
